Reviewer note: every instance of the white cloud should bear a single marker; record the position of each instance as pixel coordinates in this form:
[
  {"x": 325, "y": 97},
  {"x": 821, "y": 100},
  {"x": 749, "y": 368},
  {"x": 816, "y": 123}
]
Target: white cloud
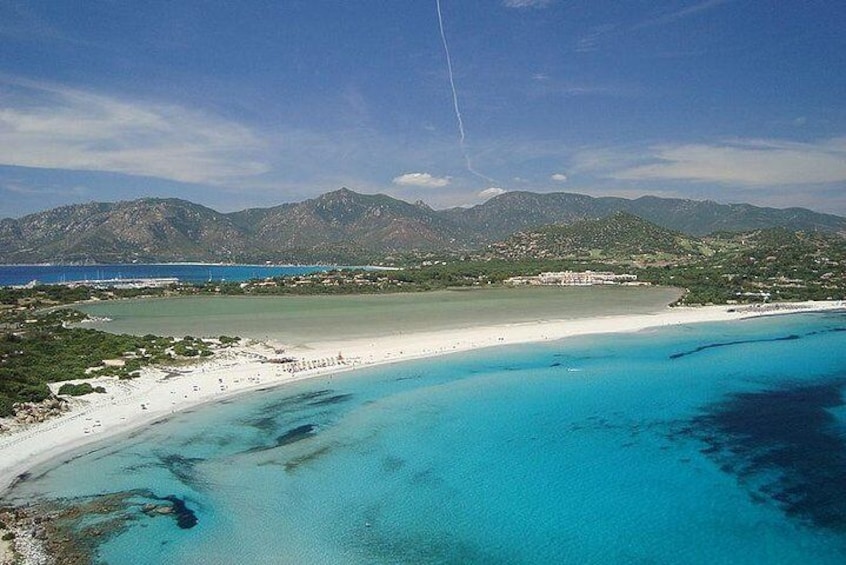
[
  {"x": 595, "y": 37},
  {"x": 421, "y": 179},
  {"x": 745, "y": 162},
  {"x": 559, "y": 177},
  {"x": 54, "y": 127},
  {"x": 16, "y": 187},
  {"x": 525, "y": 3},
  {"x": 491, "y": 192},
  {"x": 683, "y": 13}
]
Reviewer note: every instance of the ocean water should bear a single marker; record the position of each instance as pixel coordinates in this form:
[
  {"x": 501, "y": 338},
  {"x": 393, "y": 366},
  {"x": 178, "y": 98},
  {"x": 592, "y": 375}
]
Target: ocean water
[
  {"x": 191, "y": 273},
  {"x": 710, "y": 443}
]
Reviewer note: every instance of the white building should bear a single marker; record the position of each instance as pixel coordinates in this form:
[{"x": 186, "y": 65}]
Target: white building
[{"x": 572, "y": 278}]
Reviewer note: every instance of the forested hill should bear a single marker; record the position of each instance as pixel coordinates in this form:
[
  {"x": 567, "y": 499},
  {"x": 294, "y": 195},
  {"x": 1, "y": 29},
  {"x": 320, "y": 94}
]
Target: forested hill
[
  {"x": 618, "y": 237},
  {"x": 347, "y": 227},
  {"x": 625, "y": 239}
]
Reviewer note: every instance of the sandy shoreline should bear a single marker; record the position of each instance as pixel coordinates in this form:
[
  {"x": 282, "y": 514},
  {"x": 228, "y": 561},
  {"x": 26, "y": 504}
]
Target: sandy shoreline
[{"x": 160, "y": 392}]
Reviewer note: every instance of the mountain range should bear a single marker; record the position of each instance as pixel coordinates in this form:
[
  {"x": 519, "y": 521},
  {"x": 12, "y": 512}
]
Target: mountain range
[{"x": 344, "y": 226}]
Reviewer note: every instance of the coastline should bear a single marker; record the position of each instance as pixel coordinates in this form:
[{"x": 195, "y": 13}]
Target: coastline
[{"x": 162, "y": 391}]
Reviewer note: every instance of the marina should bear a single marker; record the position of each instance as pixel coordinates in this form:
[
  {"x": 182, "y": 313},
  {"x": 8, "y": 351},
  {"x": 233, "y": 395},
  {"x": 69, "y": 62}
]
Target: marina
[{"x": 154, "y": 274}]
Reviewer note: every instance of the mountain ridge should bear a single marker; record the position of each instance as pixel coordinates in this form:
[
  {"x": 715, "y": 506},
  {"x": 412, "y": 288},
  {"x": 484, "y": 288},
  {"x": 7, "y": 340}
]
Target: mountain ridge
[{"x": 344, "y": 225}]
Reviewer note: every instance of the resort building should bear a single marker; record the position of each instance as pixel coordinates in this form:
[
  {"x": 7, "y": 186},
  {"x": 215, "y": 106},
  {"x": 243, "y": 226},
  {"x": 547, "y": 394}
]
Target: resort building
[{"x": 571, "y": 278}]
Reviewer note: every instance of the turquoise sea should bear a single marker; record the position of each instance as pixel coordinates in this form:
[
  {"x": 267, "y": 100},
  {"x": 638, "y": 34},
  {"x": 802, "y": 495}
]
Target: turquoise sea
[{"x": 711, "y": 443}]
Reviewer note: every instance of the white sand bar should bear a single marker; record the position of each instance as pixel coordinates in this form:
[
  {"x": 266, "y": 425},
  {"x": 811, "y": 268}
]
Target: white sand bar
[{"x": 163, "y": 391}]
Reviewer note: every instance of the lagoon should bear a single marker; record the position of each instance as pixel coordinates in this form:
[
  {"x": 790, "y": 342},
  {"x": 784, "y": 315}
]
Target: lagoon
[{"x": 303, "y": 319}]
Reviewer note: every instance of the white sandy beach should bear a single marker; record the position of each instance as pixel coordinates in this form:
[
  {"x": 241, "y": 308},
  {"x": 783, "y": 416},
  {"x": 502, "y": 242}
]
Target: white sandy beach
[{"x": 160, "y": 392}]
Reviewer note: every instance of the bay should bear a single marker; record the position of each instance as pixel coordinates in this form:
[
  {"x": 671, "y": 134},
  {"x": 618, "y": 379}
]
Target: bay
[
  {"x": 12, "y": 275},
  {"x": 708, "y": 443}
]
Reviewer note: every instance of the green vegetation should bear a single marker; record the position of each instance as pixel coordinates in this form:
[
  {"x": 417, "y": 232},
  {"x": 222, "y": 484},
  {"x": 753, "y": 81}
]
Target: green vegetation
[
  {"x": 619, "y": 237},
  {"x": 770, "y": 264},
  {"x": 458, "y": 273},
  {"x": 34, "y": 357},
  {"x": 37, "y": 347},
  {"x": 191, "y": 347},
  {"x": 773, "y": 264},
  {"x": 52, "y": 295},
  {"x": 79, "y": 389}
]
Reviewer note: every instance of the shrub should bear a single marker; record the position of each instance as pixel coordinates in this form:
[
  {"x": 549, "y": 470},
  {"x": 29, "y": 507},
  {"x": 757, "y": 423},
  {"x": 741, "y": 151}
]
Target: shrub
[
  {"x": 5, "y": 406},
  {"x": 80, "y": 389}
]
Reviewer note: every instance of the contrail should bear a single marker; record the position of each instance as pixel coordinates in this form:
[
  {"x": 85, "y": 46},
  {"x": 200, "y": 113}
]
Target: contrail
[{"x": 461, "y": 133}]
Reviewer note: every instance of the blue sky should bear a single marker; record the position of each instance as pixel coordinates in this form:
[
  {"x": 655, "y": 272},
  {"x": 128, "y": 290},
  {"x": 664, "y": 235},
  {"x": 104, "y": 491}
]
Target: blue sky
[{"x": 244, "y": 104}]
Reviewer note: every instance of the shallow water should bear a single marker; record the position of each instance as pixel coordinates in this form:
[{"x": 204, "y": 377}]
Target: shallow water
[
  {"x": 303, "y": 319},
  {"x": 711, "y": 443}
]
